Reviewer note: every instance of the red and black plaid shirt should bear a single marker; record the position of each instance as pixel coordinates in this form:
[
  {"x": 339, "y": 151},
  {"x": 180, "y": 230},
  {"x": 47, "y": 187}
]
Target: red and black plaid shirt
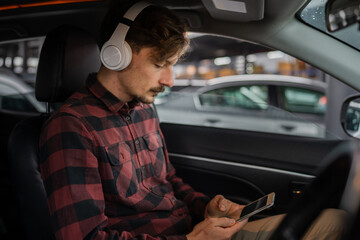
[{"x": 107, "y": 172}]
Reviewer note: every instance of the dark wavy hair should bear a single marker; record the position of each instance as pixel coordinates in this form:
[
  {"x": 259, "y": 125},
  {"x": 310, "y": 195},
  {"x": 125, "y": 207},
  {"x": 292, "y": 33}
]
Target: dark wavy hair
[{"x": 156, "y": 27}]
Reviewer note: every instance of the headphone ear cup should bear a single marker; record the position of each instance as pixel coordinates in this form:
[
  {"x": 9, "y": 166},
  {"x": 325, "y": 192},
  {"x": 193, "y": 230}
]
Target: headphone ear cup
[
  {"x": 110, "y": 55},
  {"x": 115, "y": 57},
  {"x": 116, "y": 53}
]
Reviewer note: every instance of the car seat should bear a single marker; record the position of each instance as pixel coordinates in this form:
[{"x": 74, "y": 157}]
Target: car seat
[{"x": 68, "y": 55}]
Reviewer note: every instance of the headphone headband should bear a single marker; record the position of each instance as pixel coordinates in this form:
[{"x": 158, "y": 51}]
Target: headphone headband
[
  {"x": 116, "y": 53},
  {"x": 135, "y": 10}
]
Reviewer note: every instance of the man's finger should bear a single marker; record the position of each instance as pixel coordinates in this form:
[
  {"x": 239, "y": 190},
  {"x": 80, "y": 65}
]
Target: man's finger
[
  {"x": 223, "y": 205},
  {"x": 224, "y": 222},
  {"x": 239, "y": 225}
]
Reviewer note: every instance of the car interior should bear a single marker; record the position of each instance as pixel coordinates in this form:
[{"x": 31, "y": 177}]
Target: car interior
[{"x": 307, "y": 174}]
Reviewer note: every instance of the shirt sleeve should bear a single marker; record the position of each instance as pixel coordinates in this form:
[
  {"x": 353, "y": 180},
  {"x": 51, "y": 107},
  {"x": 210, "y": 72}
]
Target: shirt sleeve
[{"x": 69, "y": 169}]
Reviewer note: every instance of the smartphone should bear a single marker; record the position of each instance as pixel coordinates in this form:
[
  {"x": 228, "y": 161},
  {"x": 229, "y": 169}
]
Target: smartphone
[{"x": 257, "y": 206}]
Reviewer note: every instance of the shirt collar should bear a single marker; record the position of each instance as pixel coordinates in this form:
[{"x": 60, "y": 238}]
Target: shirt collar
[{"x": 110, "y": 101}]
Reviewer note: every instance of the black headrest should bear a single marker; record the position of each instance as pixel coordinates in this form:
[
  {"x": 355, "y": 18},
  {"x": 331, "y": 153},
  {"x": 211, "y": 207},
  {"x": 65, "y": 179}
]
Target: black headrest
[{"x": 67, "y": 57}]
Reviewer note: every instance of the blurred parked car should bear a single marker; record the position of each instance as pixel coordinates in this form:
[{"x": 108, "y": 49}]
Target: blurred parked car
[
  {"x": 15, "y": 95},
  {"x": 258, "y": 102}
]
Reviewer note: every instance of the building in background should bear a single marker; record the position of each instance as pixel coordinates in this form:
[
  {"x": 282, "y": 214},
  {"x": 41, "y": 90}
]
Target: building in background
[
  {"x": 208, "y": 57},
  {"x": 213, "y": 56}
]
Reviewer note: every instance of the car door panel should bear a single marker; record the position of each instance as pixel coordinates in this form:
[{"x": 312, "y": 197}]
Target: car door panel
[{"x": 244, "y": 165}]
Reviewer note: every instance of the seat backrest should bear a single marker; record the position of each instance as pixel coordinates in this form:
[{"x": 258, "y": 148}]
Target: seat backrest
[
  {"x": 68, "y": 55},
  {"x": 26, "y": 179}
]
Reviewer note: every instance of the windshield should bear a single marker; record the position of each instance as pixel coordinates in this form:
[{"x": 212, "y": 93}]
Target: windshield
[{"x": 314, "y": 15}]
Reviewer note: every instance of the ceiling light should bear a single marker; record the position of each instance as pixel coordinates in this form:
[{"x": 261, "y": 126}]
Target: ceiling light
[
  {"x": 228, "y": 5},
  {"x": 222, "y": 61},
  {"x": 275, "y": 54},
  {"x": 251, "y": 58}
]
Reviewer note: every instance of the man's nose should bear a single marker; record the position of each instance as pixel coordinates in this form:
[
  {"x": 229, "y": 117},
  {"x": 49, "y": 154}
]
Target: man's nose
[{"x": 167, "y": 79}]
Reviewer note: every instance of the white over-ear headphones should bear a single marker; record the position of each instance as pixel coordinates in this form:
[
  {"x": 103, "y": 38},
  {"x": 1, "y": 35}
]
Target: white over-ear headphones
[{"x": 116, "y": 53}]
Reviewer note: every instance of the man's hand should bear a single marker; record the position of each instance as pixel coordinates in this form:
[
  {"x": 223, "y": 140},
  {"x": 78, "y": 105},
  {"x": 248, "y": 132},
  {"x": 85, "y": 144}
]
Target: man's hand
[
  {"x": 216, "y": 228},
  {"x": 222, "y": 207}
]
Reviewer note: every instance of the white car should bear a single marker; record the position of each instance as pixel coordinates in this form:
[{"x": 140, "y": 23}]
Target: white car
[{"x": 255, "y": 102}]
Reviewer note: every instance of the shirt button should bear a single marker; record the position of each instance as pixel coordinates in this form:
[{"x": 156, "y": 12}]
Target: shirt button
[
  {"x": 127, "y": 118},
  {"x": 137, "y": 142}
]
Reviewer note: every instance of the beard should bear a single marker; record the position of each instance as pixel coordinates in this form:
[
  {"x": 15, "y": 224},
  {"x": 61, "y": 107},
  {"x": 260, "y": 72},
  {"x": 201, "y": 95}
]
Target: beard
[{"x": 150, "y": 95}]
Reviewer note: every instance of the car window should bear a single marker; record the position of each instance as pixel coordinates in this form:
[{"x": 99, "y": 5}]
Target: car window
[
  {"x": 300, "y": 100},
  {"x": 11, "y": 99},
  {"x": 18, "y": 66},
  {"x": 255, "y": 89},
  {"x": 249, "y": 97}
]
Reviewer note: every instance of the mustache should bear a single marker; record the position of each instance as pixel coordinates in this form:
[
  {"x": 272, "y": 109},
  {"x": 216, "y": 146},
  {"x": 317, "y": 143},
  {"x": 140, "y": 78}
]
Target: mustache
[{"x": 158, "y": 89}]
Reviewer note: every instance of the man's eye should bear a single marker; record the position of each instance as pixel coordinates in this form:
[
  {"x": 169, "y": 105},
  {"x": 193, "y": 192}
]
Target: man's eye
[{"x": 159, "y": 66}]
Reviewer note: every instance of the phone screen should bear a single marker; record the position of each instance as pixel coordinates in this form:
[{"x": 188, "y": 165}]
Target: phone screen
[
  {"x": 254, "y": 206},
  {"x": 257, "y": 206}
]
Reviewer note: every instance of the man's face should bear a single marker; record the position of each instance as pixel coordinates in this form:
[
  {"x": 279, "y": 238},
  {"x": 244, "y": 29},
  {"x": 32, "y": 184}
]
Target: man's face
[{"x": 144, "y": 78}]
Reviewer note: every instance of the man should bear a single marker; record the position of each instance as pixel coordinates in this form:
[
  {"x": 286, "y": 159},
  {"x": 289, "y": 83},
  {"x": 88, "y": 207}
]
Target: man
[{"x": 103, "y": 157}]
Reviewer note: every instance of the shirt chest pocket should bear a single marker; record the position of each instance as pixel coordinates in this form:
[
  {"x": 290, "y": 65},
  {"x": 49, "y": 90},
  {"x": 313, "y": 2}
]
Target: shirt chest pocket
[
  {"x": 118, "y": 153},
  {"x": 155, "y": 151},
  {"x": 124, "y": 179}
]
